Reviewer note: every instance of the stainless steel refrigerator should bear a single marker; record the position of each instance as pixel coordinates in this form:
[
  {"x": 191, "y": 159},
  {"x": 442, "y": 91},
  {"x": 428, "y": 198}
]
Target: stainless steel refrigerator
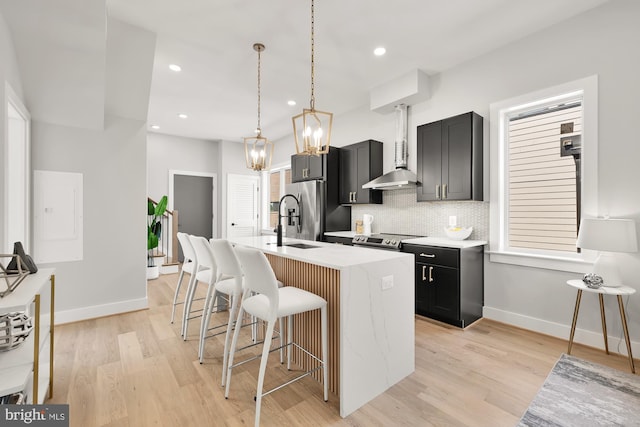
[{"x": 318, "y": 212}]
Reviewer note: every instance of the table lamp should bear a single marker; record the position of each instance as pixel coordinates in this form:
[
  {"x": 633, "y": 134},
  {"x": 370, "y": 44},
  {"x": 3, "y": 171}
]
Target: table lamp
[{"x": 607, "y": 235}]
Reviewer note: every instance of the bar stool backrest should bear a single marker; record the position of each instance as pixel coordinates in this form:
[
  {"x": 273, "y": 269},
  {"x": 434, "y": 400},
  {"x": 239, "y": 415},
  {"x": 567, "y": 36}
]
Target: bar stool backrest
[
  {"x": 259, "y": 277},
  {"x": 204, "y": 254},
  {"x": 187, "y": 248}
]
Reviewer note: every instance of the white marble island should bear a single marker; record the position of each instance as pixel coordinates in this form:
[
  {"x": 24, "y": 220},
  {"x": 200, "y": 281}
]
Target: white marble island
[{"x": 370, "y": 296}]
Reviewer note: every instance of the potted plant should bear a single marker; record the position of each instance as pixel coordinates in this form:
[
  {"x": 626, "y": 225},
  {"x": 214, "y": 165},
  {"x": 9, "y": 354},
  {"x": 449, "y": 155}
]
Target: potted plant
[{"x": 155, "y": 211}]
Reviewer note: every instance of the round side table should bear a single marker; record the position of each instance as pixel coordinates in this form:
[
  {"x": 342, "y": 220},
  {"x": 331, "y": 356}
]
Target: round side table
[{"x": 604, "y": 290}]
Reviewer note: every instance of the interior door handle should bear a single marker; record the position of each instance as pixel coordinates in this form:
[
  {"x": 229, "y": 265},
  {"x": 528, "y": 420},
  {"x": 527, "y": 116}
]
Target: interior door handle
[
  {"x": 430, "y": 273},
  {"x": 233, "y": 223}
]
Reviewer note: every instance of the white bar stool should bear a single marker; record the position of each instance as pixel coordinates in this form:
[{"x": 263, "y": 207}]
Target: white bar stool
[
  {"x": 188, "y": 266},
  {"x": 207, "y": 272},
  {"x": 269, "y": 304}
]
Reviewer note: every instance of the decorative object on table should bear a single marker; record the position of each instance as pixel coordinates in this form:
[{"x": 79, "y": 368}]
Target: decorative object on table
[
  {"x": 458, "y": 233},
  {"x": 582, "y": 393},
  {"x": 258, "y": 150},
  {"x": 607, "y": 235},
  {"x": 155, "y": 211},
  {"x": 27, "y": 261},
  {"x": 11, "y": 278},
  {"x": 592, "y": 280},
  {"x": 15, "y": 327},
  {"x": 312, "y": 128}
]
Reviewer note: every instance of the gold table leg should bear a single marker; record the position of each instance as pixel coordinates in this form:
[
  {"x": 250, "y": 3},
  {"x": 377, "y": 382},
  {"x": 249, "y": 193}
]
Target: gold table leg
[
  {"x": 604, "y": 323},
  {"x": 575, "y": 319},
  {"x": 626, "y": 334}
]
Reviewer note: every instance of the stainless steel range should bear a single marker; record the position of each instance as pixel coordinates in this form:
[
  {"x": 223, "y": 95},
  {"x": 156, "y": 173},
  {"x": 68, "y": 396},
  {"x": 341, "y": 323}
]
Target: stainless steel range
[{"x": 382, "y": 240}]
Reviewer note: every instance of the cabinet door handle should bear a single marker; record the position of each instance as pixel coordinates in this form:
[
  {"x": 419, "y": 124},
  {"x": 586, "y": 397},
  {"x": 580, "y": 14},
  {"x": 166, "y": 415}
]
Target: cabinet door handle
[
  {"x": 437, "y": 191},
  {"x": 350, "y": 196},
  {"x": 444, "y": 191},
  {"x": 424, "y": 267},
  {"x": 354, "y": 197},
  {"x": 427, "y": 255},
  {"x": 430, "y": 273}
]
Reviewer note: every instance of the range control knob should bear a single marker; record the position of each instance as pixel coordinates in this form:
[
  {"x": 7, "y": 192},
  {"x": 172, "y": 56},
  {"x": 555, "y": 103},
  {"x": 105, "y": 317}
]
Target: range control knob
[{"x": 393, "y": 242}]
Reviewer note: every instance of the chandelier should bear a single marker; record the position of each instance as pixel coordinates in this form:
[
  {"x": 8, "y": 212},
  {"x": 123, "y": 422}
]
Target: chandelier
[
  {"x": 312, "y": 128},
  {"x": 258, "y": 149}
]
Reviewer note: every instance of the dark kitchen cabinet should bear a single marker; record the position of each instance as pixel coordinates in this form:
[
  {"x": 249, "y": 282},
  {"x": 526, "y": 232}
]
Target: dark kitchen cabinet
[
  {"x": 309, "y": 168},
  {"x": 359, "y": 164},
  {"x": 450, "y": 159},
  {"x": 449, "y": 283}
]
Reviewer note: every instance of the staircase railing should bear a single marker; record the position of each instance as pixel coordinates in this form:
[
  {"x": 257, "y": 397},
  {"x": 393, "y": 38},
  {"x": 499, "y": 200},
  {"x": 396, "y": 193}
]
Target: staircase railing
[{"x": 168, "y": 242}]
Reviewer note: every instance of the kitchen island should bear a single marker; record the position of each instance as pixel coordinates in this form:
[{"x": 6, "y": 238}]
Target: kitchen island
[{"x": 370, "y": 295}]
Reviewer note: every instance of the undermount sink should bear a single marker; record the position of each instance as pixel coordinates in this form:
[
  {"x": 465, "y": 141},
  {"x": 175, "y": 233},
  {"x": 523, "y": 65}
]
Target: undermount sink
[{"x": 300, "y": 245}]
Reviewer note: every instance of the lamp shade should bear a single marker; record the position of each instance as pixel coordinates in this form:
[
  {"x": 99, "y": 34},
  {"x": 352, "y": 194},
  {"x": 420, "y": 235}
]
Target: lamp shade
[{"x": 608, "y": 235}]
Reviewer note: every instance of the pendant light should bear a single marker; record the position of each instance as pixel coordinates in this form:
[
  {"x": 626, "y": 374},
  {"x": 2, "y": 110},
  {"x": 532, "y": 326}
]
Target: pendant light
[
  {"x": 312, "y": 128},
  {"x": 258, "y": 149}
]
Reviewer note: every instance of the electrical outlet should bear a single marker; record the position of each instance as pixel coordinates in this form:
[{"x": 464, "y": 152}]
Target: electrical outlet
[
  {"x": 453, "y": 221},
  {"x": 387, "y": 282}
]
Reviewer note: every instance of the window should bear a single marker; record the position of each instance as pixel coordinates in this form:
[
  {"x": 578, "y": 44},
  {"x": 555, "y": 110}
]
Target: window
[
  {"x": 276, "y": 180},
  {"x": 543, "y": 146}
]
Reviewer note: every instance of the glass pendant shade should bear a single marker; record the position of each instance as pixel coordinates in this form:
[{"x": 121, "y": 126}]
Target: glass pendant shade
[
  {"x": 312, "y": 130},
  {"x": 258, "y": 151}
]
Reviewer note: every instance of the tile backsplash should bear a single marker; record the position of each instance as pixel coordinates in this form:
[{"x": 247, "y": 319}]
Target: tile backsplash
[{"x": 400, "y": 213}]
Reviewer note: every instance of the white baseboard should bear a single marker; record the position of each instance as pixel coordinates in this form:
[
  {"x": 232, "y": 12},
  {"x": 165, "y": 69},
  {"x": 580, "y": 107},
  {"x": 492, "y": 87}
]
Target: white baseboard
[
  {"x": 558, "y": 330},
  {"x": 84, "y": 313}
]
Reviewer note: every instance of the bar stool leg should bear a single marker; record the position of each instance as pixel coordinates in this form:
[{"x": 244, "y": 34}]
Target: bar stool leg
[
  {"x": 263, "y": 367},
  {"x": 626, "y": 334},
  {"x": 604, "y": 323},
  {"x": 175, "y": 296},
  {"x": 191, "y": 290},
  {"x": 233, "y": 317},
  {"x": 575, "y": 319},
  {"x": 323, "y": 321},
  {"x": 232, "y": 352},
  {"x": 289, "y": 340}
]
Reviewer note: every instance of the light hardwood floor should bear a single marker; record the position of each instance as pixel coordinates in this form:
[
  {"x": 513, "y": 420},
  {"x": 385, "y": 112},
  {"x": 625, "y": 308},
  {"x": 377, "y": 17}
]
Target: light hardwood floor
[{"x": 135, "y": 370}]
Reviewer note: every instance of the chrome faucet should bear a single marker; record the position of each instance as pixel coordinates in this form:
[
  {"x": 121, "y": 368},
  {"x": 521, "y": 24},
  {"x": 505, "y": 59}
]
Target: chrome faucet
[{"x": 289, "y": 217}]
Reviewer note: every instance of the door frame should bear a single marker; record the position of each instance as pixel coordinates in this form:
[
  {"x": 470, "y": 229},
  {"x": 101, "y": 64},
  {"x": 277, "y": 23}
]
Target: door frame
[
  {"x": 11, "y": 98},
  {"x": 214, "y": 207}
]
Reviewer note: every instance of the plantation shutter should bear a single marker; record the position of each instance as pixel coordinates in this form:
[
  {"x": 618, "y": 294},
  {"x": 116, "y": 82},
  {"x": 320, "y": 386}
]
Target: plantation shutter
[{"x": 541, "y": 183}]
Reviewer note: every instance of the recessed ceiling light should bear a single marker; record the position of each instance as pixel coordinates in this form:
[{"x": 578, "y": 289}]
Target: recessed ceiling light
[
  {"x": 174, "y": 67},
  {"x": 155, "y": 127},
  {"x": 291, "y": 102},
  {"x": 182, "y": 116},
  {"x": 379, "y": 51}
]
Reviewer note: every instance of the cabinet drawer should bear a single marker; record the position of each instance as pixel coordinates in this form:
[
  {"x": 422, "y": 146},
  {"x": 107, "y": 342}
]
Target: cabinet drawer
[{"x": 447, "y": 257}]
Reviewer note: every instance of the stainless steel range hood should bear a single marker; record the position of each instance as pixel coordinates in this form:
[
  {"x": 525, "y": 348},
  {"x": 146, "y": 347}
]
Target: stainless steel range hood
[{"x": 401, "y": 177}]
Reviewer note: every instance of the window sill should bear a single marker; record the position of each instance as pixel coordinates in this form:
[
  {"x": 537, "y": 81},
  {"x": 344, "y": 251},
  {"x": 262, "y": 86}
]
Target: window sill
[{"x": 540, "y": 261}]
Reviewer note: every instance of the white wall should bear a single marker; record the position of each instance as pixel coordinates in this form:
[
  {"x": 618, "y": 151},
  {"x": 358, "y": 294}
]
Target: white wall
[{"x": 111, "y": 277}]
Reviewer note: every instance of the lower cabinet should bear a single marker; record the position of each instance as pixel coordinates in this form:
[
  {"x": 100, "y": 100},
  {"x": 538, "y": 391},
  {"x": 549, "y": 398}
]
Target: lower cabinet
[{"x": 449, "y": 283}]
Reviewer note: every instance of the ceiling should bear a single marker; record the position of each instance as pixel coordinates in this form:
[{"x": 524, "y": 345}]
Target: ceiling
[{"x": 212, "y": 41}]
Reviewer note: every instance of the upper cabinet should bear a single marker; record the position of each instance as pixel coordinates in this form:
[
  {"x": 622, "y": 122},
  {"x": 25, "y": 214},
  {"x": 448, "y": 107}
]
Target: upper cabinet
[
  {"x": 306, "y": 168},
  {"x": 450, "y": 159},
  {"x": 309, "y": 168},
  {"x": 359, "y": 164}
]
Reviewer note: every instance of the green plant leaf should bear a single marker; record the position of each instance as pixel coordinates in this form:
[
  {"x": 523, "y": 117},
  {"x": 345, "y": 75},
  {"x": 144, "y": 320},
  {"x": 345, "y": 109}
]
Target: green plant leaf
[
  {"x": 151, "y": 209},
  {"x": 161, "y": 207}
]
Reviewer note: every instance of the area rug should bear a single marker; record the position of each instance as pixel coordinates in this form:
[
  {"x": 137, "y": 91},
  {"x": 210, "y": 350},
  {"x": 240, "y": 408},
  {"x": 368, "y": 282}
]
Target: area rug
[{"x": 580, "y": 393}]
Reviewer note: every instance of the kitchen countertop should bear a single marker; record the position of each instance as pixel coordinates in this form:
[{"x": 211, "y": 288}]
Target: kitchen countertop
[
  {"x": 325, "y": 254},
  {"x": 428, "y": 241},
  {"x": 444, "y": 242}
]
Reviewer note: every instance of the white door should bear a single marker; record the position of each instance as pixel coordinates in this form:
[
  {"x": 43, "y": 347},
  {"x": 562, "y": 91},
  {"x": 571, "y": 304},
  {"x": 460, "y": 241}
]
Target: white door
[{"x": 242, "y": 205}]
